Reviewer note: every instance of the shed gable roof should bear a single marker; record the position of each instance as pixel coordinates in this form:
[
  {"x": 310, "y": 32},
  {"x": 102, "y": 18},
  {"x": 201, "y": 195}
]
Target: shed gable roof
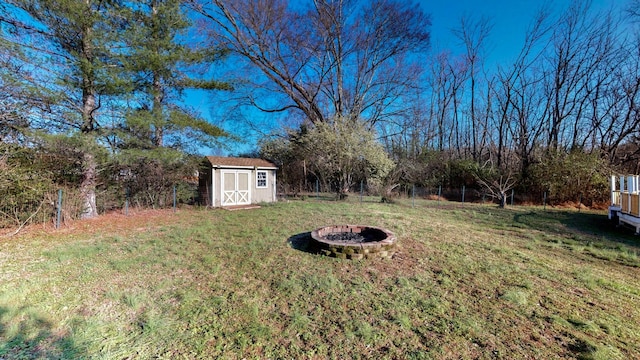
[{"x": 219, "y": 161}]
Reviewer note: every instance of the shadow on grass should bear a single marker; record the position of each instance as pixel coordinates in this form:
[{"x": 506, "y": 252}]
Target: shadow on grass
[
  {"x": 353, "y": 198},
  {"x": 584, "y": 228},
  {"x": 304, "y": 242},
  {"x": 312, "y": 197},
  {"x": 24, "y": 335}
]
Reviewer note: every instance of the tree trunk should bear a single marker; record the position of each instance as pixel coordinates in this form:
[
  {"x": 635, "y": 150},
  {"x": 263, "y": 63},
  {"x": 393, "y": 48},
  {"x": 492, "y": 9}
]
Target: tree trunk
[
  {"x": 89, "y": 105},
  {"x": 503, "y": 200},
  {"x": 88, "y": 187},
  {"x": 158, "y": 93},
  {"x": 157, "y": 112}
]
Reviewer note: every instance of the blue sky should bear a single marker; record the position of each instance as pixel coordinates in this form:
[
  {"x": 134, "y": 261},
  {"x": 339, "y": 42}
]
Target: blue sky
[{"x": 510, "y": 20}]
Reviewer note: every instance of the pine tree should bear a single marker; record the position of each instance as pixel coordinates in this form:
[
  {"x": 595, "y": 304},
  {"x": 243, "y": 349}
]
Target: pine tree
[
  {"x": 159, "y": 62},
  {"x": 83, "y": 56},
  {"x": 68, "y": 46}
]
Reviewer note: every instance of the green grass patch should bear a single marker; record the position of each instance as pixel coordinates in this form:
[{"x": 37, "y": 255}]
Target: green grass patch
[{"x": 467, "y": 281}]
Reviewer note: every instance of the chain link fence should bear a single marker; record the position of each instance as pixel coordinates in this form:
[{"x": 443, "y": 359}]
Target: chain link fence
[
  {"x": 55, "y": 208},
  {"x": 439, "y": 194}
]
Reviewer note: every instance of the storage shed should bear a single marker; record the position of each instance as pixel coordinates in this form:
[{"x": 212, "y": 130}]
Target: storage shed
[{"x": 233, "y": 181}]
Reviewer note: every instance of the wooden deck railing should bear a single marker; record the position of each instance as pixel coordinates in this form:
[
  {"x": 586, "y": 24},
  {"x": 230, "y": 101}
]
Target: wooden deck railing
[
  {"x": 615, "y": 198},
  {"x": 630, "y": 203}
]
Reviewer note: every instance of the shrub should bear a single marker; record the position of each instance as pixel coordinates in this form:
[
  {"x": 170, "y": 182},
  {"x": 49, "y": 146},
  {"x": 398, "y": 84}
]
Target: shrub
[{"x": 569, "y": 176}]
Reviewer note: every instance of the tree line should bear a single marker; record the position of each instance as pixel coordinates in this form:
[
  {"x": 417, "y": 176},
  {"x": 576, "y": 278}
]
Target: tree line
[
  {"x": 557, "y": 119},
  {"x": 91, "y": 95}
]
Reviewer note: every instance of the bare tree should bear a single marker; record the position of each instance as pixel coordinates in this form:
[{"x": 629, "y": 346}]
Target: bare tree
[
  {"x": 585, "y": 50},
  {"x": 496, "y": 181},
  {"x": 328, "y": 58},
  {"x": 473, "y": 34},
  {"x": 446, "y": 78},
  {"x": 515, "y": 92},
  {"x": 633, "y": 9}
]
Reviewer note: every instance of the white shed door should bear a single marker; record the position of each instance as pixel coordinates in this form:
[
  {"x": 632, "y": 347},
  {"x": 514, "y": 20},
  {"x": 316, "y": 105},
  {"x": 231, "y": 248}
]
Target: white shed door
[{"x": 236, "y": 189}]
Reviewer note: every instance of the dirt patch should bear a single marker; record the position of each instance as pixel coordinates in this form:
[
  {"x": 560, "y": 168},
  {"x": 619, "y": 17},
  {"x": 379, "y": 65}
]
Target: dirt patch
[
  {"x": 570, "y": 205},
  {"x": 577, "y": 205},
  {"x": 435, "y": 198},
  {"x": 114, "y": 221}
]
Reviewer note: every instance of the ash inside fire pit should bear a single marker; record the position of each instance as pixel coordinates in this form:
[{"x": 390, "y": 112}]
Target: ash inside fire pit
[
  {"x": 346, "y": 237},
  {"x": 366, "y": 235}
]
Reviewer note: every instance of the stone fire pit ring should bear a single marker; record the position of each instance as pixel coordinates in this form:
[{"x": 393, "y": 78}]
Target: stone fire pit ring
[{"x": 355, "y": 241}]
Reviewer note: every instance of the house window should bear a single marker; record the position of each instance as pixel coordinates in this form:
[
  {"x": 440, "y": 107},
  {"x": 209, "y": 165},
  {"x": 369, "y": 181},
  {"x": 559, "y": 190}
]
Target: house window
[{"x": 261, "y": 179}]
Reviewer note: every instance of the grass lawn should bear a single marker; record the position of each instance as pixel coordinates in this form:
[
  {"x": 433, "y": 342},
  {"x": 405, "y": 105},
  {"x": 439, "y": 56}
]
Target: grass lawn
[{"x": 469, "y": 282}]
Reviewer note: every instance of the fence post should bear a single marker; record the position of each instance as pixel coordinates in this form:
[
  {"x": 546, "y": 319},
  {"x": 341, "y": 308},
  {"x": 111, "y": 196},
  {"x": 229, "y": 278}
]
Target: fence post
[
  {"x": 413, "y": 196},
  {"x": 580, "y": 202},
  {"x": 174, "y": 198},
  {"x": 511, "y": 197},
  {"x": 462, "y": 194},
  {"x": 59, "y": 212},
  {"x": 544, "y": 201},
  {"x": 439, "y": 194}
]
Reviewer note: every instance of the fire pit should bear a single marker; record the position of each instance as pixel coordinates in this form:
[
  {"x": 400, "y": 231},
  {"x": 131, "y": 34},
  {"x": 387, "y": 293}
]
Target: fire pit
[{"x": 355, "y": 241}]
